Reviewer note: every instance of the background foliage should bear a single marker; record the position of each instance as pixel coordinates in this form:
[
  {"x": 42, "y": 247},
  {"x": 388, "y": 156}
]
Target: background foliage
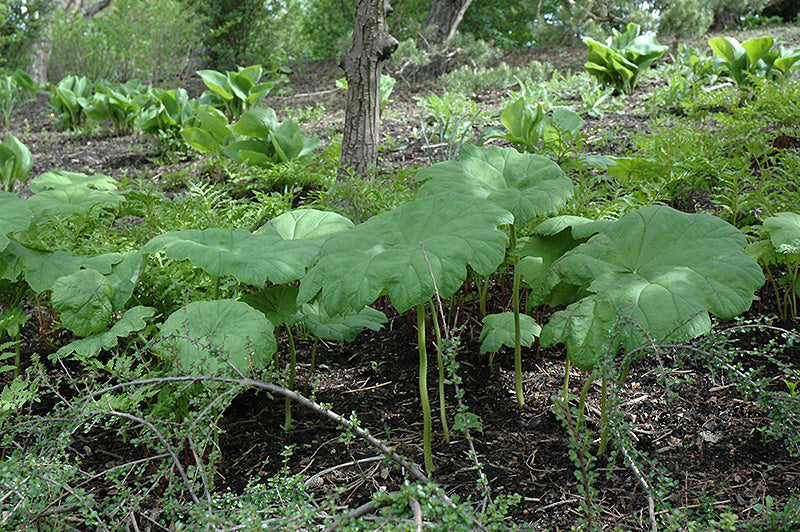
[{"x": 151, "y": 41}]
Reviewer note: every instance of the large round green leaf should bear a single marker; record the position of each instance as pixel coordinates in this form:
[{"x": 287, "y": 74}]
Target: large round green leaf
[
  {"x": 84, "y": 300},
  {"x": 14, "y": 216},
  {"x": 250, "y": 258},
  {"x": 655, "y": 273},
  {"x": 212, "y": 336},
  {"x": 526, "y": 185},
  {"x": 308, "y": 224},
  {"x": 259, "y": 123},
  {"x": 390, "y": 253}
]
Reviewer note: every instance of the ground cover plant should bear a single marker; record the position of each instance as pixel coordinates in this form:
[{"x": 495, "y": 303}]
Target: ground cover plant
[{"x": 205, "y": 323}]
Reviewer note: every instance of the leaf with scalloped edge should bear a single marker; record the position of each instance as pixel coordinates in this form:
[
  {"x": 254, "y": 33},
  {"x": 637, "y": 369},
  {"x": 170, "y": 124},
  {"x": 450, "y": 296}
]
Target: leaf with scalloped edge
[
  {"x": 277, "y": 303},
  {"x": 211, "y": 336},
  {"x": 339, "y": 327},
  {"x": 308, "y": 224},
  {"x": 14, "y": 216},
  {"x": 784, "y": 231},
  {"x": 498, "y": 331},
  {"x": 390, "y": 253},
  {"x": 84, "y": 301},
  {"x": 251, "y": 258},
  {"x": 655, "y": 273},
  {"x": 524, "y": 184}
]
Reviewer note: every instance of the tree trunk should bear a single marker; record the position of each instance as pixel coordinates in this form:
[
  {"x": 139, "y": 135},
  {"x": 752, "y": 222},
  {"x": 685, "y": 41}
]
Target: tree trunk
[
  {"x": 724, "y": 19},
  {"x": 444, "y": 17},
  {"x": 41, "y": 47},
  {"x": 362, "y": 64}
]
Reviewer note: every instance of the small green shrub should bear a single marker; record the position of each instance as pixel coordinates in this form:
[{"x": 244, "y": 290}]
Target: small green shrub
[
  {"x": 469, "y": 79},
  {"x": 121, "y": 104},
  {"x": 16, "y": 163},
  {"x": 70, "y": 97},
  {"x": 464, "y": 49},
  {"x": 622, "y": 58},
  {"x": 449, "y": 122},
  {"x": 753, "y": 58}
]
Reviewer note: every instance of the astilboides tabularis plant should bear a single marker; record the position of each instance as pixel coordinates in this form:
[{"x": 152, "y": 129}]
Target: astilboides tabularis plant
[
  {"x": 278, "y": 254},
  {"x": 252, "y": 259},
  {"x": 410, "y": 254},
  {"x": 528, "y": 186},
  {"x": 654, "y": 276}
]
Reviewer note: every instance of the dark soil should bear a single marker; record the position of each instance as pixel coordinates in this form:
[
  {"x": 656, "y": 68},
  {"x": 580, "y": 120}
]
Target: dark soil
[{"x": 692, "y": 420}]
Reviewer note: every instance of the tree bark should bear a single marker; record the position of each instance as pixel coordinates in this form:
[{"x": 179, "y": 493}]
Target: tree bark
[
  {"x": 724, "y": 18},
  {"x": 444, "y": 17},
  {"x": 362, "y": 63}
]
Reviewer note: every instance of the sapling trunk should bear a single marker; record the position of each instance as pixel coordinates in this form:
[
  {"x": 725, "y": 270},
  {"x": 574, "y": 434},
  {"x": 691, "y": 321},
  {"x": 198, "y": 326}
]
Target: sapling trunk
[
  {"x": 517, "y": 333},
  {"x": 440, "y": 362},
  {"x": 313, "y": 365},
  {"x": 484, "y": 294},
  {"x": 423, "y": 389},
  {"x": 290, "y": 385},
  {"x": 215, "y": 290},
  {"x": 517, "y": 345},
  {"x": 603, "y": 416}
]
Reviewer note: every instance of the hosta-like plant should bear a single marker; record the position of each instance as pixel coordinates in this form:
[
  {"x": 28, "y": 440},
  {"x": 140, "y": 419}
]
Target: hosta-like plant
[
  {"x": 755, "y": 57},
  {"x": 619, "y": 61},
  {"x": 169, "y": 112},
  {"x": 265, "y": 142},
  {"x": 121, "y": 104},
  {"x": 256, "y": 138},
  {"x": 14, "y": 89},
  {"x": 70, "y": 97},
  {"x": 16, "y": 163},
  {"x": 241, "y": 90},
  {"x": 524, "y": 125},
  {"x": 9, "y": 96}
]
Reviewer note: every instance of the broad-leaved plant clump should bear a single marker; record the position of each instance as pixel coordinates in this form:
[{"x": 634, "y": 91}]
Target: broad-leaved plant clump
[
  {"x": 753, "y": 58},
  {"x": 619, "y": 61}
]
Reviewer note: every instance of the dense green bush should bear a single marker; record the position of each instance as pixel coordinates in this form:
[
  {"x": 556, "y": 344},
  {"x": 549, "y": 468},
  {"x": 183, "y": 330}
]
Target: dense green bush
[{"x": 153, "y": 41}]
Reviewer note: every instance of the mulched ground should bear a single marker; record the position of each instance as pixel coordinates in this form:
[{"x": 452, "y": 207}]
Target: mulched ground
[{"x": 693, "y": 421}]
